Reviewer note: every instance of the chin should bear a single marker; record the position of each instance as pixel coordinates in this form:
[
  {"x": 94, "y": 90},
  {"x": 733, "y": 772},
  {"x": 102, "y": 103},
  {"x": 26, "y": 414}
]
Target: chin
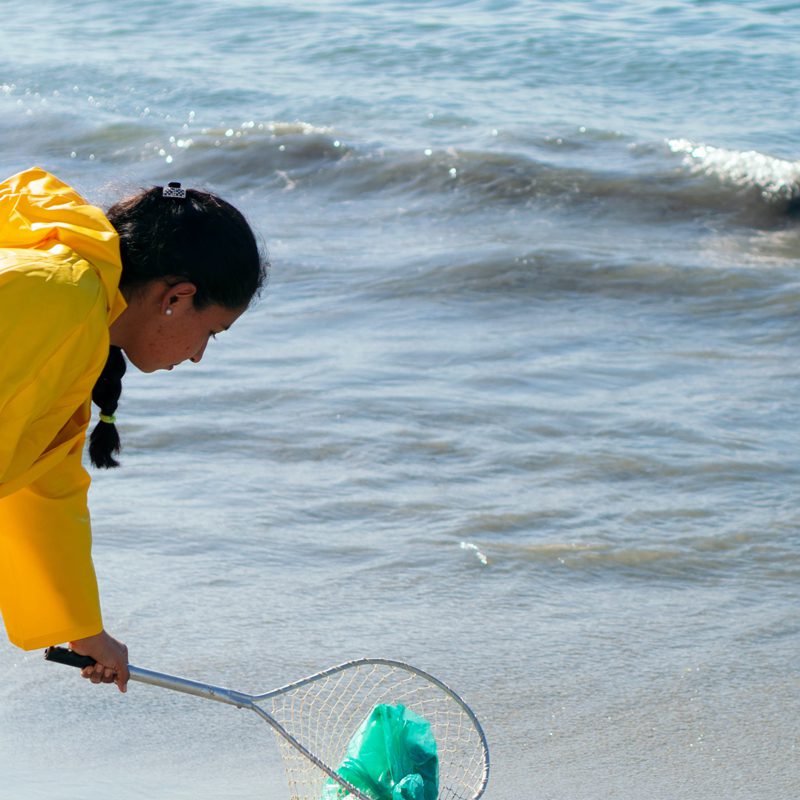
[{"x": 142, "y": 367}]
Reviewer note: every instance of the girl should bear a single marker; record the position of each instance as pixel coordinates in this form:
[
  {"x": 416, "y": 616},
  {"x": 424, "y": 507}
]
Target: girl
[{"x": 154, "y": 279}]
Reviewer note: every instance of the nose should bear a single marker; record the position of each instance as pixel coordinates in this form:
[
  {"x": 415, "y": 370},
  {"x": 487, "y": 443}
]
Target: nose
[{"x": 198, "y": 356}]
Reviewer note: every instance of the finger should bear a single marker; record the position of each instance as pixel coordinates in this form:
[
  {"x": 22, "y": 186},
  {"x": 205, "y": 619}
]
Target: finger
[
  {"x": 99, "y": 673},
  {"x": 123, "y": 673},
  {"x": 122, "y": 678}
]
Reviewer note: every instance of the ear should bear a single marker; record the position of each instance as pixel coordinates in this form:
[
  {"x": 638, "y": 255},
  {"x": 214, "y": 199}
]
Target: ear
[{"x": 178, "y": 295}]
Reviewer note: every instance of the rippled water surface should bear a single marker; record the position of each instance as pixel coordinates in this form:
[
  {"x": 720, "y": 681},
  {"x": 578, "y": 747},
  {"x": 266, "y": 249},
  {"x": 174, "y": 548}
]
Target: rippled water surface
[{"x": 519, "y": 405}]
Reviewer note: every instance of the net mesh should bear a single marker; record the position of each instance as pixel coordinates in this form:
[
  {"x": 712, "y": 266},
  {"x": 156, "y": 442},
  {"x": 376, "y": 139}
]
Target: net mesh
[{"x": 324, "y": 713}]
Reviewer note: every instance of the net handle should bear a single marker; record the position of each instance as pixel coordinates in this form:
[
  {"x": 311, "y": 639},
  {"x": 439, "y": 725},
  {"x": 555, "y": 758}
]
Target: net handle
[{"x": 207, "y": 691}]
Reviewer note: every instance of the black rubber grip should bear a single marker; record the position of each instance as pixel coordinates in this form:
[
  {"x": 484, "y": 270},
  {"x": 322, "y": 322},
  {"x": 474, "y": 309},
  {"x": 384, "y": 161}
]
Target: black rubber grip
[{"x": 69, "y": 657}]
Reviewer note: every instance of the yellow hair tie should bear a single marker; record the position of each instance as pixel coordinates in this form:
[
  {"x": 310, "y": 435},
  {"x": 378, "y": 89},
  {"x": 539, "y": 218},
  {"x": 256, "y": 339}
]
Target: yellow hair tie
[{"x": 109, "y": 420}]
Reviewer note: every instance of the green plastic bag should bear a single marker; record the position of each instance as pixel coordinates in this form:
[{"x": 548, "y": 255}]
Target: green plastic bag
[{"x": 392, "y": 756}]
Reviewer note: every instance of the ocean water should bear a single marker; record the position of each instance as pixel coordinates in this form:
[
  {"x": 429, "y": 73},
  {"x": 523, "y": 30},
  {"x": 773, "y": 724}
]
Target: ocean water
[{"x": 519, "y": 405}]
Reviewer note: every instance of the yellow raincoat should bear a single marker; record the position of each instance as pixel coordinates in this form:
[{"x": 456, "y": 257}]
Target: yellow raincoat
[{"x": 59, "y": 276}]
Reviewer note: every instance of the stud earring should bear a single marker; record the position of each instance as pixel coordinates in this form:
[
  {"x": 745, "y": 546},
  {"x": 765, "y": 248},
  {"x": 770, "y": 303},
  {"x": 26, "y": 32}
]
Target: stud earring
[{"x": 168, "y": 312}]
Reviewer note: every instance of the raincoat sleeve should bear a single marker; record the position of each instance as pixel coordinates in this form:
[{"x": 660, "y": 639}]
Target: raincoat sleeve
[
  {"x": 48, "y": 589},
  {"x": 54, "y": 338}
]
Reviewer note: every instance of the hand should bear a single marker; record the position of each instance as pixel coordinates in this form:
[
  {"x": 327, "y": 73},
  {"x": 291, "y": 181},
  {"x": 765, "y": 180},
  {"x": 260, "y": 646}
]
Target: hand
[{"x": 111, "y": 657}]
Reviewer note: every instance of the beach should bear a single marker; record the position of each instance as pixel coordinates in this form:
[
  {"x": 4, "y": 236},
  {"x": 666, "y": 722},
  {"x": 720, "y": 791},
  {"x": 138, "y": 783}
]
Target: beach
[{"x": 518, "y": 405}]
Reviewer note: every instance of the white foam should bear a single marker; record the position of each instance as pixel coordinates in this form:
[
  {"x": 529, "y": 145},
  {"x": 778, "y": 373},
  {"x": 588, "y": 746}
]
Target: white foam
[
  {"x": 474, "y": 549},
  {"x": 275, "y": 128},
  {"x": 297, "y": 127},
  {"x": 777, "y": 178}
]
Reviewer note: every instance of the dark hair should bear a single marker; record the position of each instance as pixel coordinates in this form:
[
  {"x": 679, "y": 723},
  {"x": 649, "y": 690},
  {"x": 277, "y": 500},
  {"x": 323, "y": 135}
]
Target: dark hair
[
  {"x": 199, "y": 238},
  {"x": 104, "y": 441}
]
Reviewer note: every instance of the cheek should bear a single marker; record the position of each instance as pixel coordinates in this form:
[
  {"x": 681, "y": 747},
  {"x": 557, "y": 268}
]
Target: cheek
[
  {"x": 163, "y": 345},
  {"x": 184, "y": 344},
  {"x": 160, "y": 347}
]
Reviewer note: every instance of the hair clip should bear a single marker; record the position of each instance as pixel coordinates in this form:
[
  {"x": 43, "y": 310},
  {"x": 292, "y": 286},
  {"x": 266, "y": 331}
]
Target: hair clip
[{"x": 174, "y": 190}]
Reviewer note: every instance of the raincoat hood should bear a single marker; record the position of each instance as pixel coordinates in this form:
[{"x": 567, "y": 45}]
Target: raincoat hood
[{"x": 40, "y": 212}]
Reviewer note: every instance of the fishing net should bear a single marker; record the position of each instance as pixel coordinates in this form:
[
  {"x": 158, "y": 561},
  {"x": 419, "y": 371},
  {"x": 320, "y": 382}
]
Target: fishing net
[{"x": 324, "y": 712}]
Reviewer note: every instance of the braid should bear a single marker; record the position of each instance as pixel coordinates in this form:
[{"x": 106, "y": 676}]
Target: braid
[{"x": 104, "y": 440}]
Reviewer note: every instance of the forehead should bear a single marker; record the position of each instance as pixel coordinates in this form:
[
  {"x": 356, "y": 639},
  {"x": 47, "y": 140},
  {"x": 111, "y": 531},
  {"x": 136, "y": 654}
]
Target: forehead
[{"x": 219, "y": 317}]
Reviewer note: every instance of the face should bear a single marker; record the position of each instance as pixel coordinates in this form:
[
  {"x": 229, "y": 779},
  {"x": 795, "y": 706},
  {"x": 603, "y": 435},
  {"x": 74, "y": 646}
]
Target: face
[{"x": 168, "y": 330}]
